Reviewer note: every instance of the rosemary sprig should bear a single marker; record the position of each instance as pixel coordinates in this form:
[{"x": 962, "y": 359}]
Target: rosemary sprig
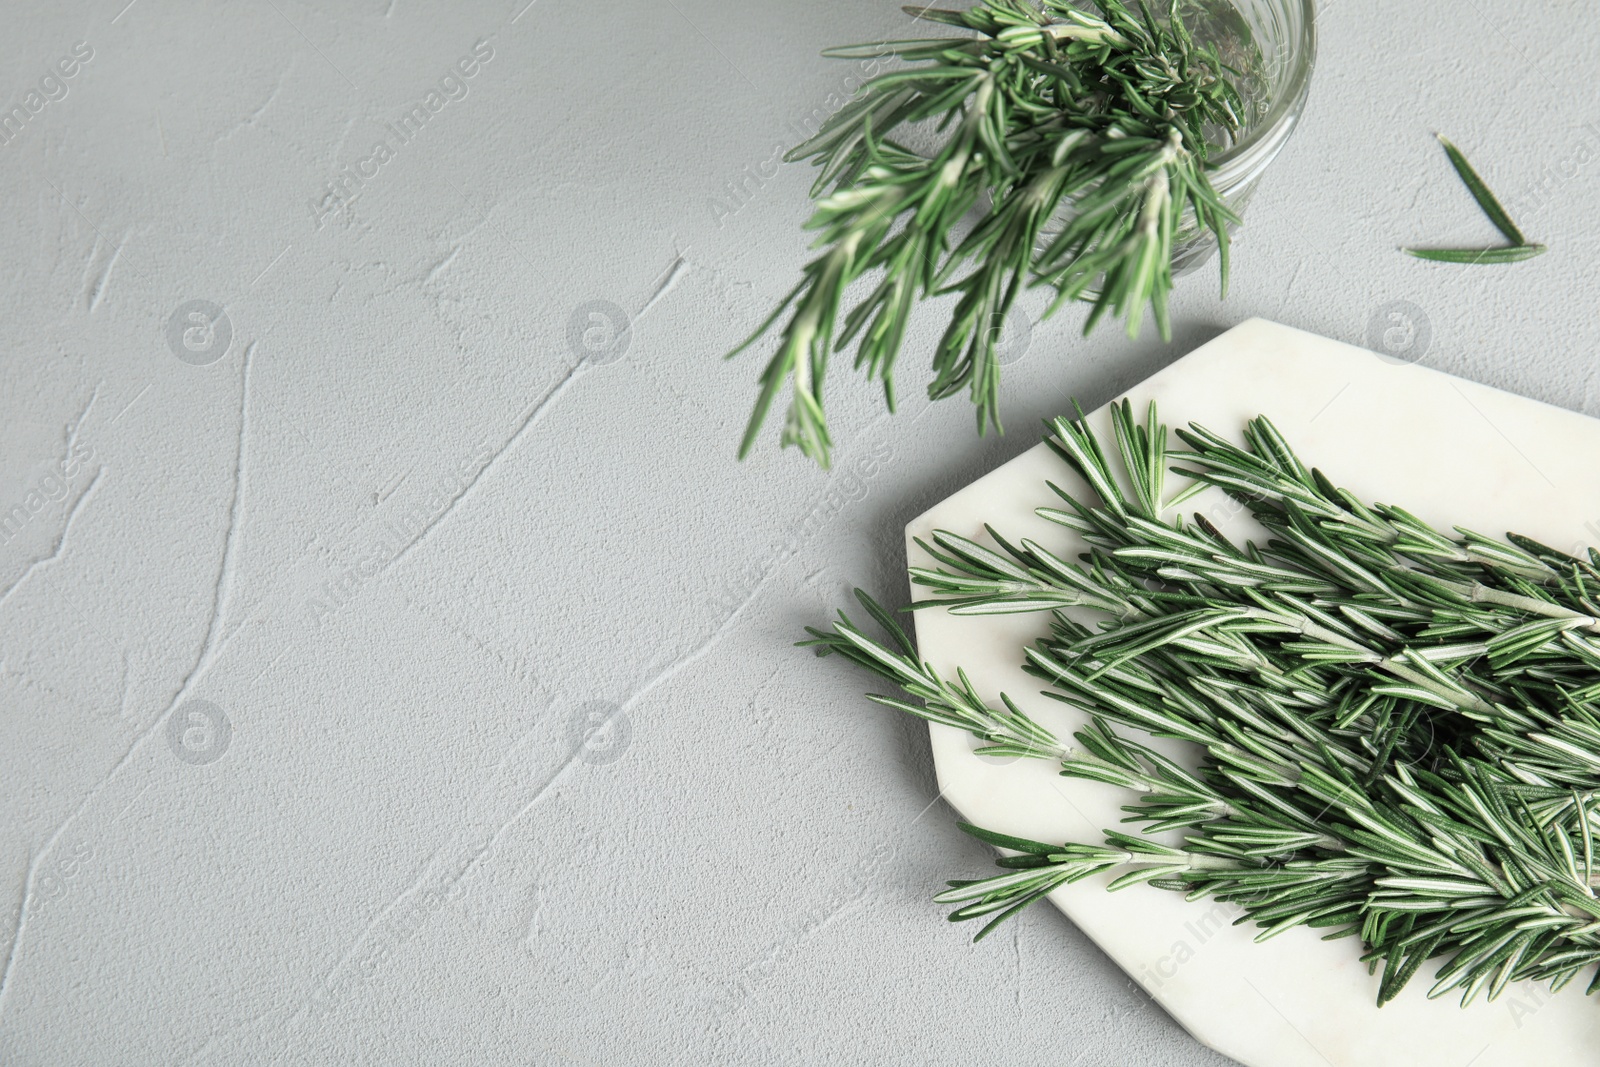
[
  {"x": 1054, "y": 116},
  {"x": 1399, "y": 728},
  {"x": 1519, "y": 249}
]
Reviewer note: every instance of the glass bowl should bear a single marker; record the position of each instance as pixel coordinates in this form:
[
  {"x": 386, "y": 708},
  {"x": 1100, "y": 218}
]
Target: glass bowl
[{"x": 1286, "y": 33}]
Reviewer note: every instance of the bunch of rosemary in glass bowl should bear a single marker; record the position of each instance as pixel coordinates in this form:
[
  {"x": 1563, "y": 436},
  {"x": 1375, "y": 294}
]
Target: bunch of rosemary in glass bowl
[{"x": 1100, "y": 154}]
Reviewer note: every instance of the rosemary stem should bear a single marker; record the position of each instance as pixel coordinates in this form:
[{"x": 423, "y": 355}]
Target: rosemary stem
[{"x": 1069, "y": 31}]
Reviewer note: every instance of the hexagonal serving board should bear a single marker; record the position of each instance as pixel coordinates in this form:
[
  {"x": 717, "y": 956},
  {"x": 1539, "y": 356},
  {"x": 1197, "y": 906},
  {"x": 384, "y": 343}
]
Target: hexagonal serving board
[{"x": 1453, "y": 452}]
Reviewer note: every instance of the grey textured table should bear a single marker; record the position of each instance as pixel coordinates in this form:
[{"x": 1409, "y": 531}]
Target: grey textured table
[{"x": 308, "y": 610}]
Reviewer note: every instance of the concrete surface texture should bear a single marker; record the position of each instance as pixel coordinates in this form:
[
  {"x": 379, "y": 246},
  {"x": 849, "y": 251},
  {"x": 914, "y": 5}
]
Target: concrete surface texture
[{"x": 395, "y": 665}]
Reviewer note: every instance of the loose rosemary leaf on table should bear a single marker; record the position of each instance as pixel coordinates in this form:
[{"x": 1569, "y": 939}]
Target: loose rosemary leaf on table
[
  {"x": 1520, "y": 247},
  {"x": 1399, "y": 728},
  {"x": 1050, "y": 117}
]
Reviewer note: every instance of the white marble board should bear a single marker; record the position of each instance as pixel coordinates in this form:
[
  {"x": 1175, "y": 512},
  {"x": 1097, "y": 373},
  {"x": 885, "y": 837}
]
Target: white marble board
[{"x": 1453, "y": 452}]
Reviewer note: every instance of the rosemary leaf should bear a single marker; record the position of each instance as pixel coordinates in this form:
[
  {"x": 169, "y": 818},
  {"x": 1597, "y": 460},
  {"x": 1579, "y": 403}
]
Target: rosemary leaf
[
  {"x": 1480, "y": 192},
  {"x": 1510, "y": 254}
]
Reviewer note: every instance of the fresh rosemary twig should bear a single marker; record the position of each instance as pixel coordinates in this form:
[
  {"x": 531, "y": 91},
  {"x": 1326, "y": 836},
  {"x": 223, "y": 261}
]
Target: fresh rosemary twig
[
  {"x": 1519, "y": 249},
  {"x": 1399, "y": 728},
  {"x": 1048, "y": 112}
]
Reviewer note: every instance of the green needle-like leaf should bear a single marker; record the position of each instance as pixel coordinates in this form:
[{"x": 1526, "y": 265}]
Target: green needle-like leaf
[
  {"x": 1480, "y": 192},
  {"x": 1511, "y": 254}
]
